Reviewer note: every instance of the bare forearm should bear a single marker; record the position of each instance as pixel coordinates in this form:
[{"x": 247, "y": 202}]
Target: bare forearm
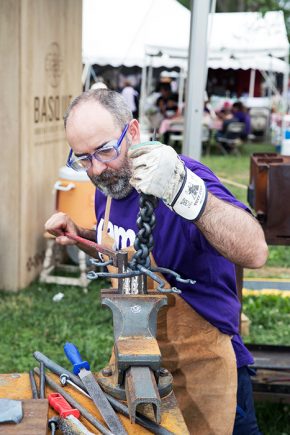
[{"x": 234, "y": 233}]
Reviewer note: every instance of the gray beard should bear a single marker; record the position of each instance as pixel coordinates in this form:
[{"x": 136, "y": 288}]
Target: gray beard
[{"x": 114, "y": 183}]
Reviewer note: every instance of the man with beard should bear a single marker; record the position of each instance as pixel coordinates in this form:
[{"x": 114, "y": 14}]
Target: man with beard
[{"x": 201, "y": 232}]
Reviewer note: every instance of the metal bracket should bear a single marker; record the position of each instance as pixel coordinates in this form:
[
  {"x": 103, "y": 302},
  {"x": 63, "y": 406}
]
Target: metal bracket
[{"x": 141, "y": 389}]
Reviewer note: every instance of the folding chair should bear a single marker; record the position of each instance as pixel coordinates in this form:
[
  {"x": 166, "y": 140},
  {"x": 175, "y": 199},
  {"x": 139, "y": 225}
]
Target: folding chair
[
  {"x": 231, "y": 141},
  {"x": 176, "y": 133},
  {"x": 205, "y": 138}
]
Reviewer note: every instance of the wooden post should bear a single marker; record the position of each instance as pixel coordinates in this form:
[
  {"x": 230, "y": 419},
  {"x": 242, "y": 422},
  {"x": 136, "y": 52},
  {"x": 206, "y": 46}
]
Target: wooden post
[{"x": 40, "y": 71}]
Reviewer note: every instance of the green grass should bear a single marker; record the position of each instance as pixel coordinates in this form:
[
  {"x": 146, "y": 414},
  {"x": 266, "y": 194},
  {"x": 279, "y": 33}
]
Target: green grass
[
  {"x": 235, "y": 168},
  {"x": 270, "y": 317},
  {"x": 31, "y": 321},
  {"x": 273, "y": 418}
]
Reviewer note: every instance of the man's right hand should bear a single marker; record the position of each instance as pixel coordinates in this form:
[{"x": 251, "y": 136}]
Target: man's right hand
[{"x": 60, "y": 223}]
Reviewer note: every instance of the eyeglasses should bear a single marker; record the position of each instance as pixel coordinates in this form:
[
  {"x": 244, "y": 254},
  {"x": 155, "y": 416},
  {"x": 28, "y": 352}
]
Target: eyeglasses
[{"x": 106, "y": 153}]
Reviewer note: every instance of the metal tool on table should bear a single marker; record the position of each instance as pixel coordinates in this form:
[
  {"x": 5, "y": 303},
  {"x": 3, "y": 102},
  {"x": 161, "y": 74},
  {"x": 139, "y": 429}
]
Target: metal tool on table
[
  {"x": 24, "y": 416},
  {"x": 35, "y": 394},
  {"x": 41, "y": 380},
  {"x": 82, "y": 369},
  {"x": 75, "y": 382},
  {"x": 11, "y": 411},
  {"x": 72, "y": 415},
  {"x": 33, "y": 385},
  {"x": 86, "y": 414},
  {"x": 65, "y": 380}
]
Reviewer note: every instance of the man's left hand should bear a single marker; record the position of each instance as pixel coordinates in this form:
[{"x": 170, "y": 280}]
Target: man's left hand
[{"x": 158, "y": 171}]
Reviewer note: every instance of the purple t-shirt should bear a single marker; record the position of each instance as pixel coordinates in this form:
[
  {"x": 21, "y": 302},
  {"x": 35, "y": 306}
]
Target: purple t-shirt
[
  {"x": 180, "y": 246},
  {"x": 244, "y": 117}
]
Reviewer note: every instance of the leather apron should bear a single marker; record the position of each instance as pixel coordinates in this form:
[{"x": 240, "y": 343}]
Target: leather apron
[{"x": 200, "y": 358}]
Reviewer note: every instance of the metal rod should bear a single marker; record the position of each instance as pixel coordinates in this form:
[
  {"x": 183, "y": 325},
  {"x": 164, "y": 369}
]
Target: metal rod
[
  {"x": 64, "y": 380},
  {"x": 56, "y": 368},
  {"x": 110, "y": 252},
  {"x": 33, "y": 385},
  {"x": 75, "y": 404},
  {"x": 42, "y": 381}
]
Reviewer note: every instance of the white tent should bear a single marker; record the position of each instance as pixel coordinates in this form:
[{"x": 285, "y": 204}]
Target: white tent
[
  {"x": 119, "y": 32},
  {"x": 115, "y": 32},
  {"x": 249, "y": 33}
]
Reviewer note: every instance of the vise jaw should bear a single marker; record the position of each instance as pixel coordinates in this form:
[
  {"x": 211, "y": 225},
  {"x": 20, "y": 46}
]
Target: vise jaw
[{"x": 135, "y": 372}]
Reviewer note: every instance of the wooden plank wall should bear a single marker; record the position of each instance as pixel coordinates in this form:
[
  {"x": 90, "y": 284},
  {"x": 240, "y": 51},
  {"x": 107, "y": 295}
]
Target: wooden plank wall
[
  {"x": 10, "y": 143},
  {"x": 47, "y": 65}
]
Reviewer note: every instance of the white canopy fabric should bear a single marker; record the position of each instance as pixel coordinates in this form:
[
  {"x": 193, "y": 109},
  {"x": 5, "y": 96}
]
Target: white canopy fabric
[
  {"x": 115, "y": 32},
  {"x": 263, "y": 63},
  {"x": 172, "y": 57},
  {"x": 118, "y": 32},
  {"x": 247, "y": 33}
]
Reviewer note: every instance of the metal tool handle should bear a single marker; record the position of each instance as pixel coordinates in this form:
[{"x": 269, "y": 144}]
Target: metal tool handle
[
  {"x": 75, "y": 358},
  {"x": 58, "y": 402}
]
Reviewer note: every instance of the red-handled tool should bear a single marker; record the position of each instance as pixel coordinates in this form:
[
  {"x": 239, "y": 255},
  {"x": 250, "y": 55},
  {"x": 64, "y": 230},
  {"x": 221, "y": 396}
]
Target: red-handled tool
[
  {"x": 71, "y": 415},
  {"x": 58, "y": 402}
]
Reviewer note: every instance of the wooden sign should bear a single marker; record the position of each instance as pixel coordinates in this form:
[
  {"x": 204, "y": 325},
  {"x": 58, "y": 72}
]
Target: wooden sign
[{"x": 40, "y": 71}]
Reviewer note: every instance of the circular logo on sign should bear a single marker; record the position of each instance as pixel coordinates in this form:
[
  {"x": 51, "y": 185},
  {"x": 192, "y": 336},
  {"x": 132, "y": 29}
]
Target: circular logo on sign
[
  {"x": 53, "y": 64},
  {"x": 136, "y": 309}
]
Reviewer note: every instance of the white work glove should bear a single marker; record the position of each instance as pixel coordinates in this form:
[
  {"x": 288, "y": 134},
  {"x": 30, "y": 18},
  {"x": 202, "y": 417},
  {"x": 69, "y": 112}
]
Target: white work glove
[{"x": 158, "y": 171}]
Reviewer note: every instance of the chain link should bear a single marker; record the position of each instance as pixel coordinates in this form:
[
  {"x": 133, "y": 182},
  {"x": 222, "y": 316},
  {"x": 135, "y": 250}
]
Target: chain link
[{"x": 146, "y": 222}]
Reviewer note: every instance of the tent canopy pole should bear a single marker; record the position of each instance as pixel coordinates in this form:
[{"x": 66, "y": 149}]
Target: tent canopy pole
[{"x": 197, "y": 75}]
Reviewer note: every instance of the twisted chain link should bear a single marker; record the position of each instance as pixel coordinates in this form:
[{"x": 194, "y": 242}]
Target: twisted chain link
[{"x": 144, "y": 238}]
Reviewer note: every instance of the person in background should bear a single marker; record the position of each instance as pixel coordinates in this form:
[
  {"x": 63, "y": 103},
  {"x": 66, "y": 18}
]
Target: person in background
[
  {"x": 170, "y": 114},
  {"x": 225, "y": 116},
  {"x": 209, "y": 115},
  {"x": 240, "y": 114},
  {"x": 131, "y": 97},
  {"x": 167, "y": 102},
  {"x": 235, "y": 113}
]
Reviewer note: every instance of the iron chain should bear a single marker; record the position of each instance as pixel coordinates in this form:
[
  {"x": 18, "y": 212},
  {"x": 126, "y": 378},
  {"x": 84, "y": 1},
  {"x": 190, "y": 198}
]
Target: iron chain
[{"x": 146, "y": 222}]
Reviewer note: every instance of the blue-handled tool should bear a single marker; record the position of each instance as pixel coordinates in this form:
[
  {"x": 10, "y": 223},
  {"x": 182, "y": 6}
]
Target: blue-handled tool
[
  {"x": 75, "y": 358},
  {"x": 82, "y": 369}
]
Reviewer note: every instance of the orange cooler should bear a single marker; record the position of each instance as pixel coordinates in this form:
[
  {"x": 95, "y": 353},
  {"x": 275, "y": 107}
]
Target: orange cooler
[{"x": 75, "y": 195}]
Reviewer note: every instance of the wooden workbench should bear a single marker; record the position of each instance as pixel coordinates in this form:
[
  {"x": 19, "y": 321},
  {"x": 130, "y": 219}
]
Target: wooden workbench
[{"x": 17, "y": 386}]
